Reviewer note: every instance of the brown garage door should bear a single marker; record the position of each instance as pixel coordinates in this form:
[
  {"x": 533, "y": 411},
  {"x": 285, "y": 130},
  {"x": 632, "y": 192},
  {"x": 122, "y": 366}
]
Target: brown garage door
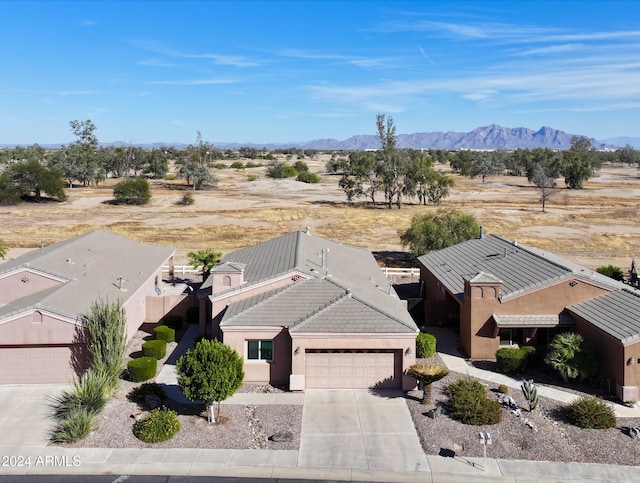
[
  {"x": 352, "y": 369},
  {"x": 30, "y": 365}
]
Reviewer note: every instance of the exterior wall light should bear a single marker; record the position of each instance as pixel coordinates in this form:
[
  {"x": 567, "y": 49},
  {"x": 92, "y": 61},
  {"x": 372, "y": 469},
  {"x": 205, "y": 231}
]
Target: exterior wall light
[
  {"x": 631, "y": 361},
  {"x": 408, "y": 352},
  {"x": 297, "y": 351}
]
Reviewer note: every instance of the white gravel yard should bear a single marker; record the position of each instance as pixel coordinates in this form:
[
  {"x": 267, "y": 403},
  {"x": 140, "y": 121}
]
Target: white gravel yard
[{"x": 554, "y": 440}]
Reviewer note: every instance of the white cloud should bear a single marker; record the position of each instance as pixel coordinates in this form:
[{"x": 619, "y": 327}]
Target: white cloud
[{"x": 192, "y": 82}]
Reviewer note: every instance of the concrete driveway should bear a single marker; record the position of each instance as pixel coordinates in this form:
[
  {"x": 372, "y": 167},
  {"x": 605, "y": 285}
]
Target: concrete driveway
[
  {"x": 359, "y": 429},
  {"x": 25, "y": 421}
]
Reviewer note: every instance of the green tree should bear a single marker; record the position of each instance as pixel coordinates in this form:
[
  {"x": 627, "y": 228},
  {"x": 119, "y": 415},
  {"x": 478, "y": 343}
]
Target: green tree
[
  {"x": 571, "y": 356},
  {"x": 155, "y": 163},
  {"x": 80, "y": 160},
  {"x": 611, "y": 272},
  {"x": 197, "y": 173},
  {"x": 579, "y": 162},
  {"x": 205, "y": 259},
  {"x": 426, "y": 375},
  {"x": 33, "y": 178},
  {"x": 10, "y": 192},
  {"x": 210, "y": 372},
  {"x": 106, "y": 326},
  {"x": 392, "y": 164},
  {"x": 433, "y": 231},
  {"x": 134, "y": 191}
]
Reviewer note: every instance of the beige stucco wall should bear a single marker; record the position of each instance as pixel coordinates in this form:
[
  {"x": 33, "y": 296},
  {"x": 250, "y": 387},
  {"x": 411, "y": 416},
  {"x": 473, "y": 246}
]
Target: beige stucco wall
[
  {"x": 136, "y": 305},
  {"x": 24, "y": 282},
  {"x": 218, "y": 280},
  {"x": 263, "y": 372},
  {"x": 26, "y": 329}
]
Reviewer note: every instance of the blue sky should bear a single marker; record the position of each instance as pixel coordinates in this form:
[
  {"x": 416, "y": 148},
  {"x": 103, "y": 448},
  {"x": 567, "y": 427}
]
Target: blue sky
[{"x": 270, "y": 71}]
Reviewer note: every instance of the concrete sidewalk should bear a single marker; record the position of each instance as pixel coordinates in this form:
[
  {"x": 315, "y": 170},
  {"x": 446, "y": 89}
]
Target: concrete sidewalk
[{"x": 448, "y": 351}]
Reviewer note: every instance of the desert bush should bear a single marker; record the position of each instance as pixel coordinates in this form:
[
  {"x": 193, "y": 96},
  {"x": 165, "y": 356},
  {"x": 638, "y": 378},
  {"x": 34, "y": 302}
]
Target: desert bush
[
  {"x": 171, "y": 177},
  {"x": 187, "y": 199},
  {"x": 89, "y": 393},
  {"x": 134, "y": 191},
  {"x": 425, "y": 345},
  {"x": 155, "y": 348},
  {"x": 513, "y": 360},
  {"x": 165, "y": 333},
  {"x": 173, "y": 321},
  {"x": 193, "y": 315},
  {"x": 220, "y": 166},
  {"x": 503, "y": 389},
  {"x": 74, "y": 427},
  {"x": 159, "y": 425},
  {"x": 301, "y": 166},
  {"x": 237, "y": 165},
  {"x": 142, "y": 368},
  {"x": 251, "y": 164},
  {"x": 252, "y": 177},
  {"x": 308, "y": 177},
  {"x": 591, "y": 413},
  {"x": 611, "y": 271},
  {"x": 138, "y": 394},
  {"x": 468, "y": 403}
]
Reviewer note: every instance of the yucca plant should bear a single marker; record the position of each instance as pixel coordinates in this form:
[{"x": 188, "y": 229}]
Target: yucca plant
[
  {"x": 427, "y": 375},
  {"x": 75, "y": 426},
  {"x": 88, "y": 393}
]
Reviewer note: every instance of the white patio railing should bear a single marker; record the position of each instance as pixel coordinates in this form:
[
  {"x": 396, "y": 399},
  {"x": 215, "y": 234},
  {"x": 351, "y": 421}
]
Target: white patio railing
[{"x": 388, "y": 271}]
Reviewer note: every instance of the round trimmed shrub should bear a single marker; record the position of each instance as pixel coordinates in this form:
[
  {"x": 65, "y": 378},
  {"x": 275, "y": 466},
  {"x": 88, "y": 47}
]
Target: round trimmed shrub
[
  {"x": 503, "y": 389},
  {"x": 155, "y": 348},
  {"x": 591, "y": 413},
  {"x": 142, "y": 368},
  {"x": 425, "y": 345},
  {"x": 513, "y": 360},
  {"x": 165, "y": 333},
  {"x": 468, "y": 403},
  {"x": 138, "y": 394},
  {"x": 173, "y": 321},
  {"x": 159, "y": 425}
]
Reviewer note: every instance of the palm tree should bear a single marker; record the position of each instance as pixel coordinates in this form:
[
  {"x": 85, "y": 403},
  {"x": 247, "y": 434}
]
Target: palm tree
[
  {"x": 205, "y": 258},
  {"x": 3, "y": 249},
  {"x": 427, "y": 375},
  {"x": 570, "y": 357}
]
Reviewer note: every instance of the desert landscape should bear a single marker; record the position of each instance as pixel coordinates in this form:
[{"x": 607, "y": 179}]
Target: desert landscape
[{"x": 594, "y": 226}]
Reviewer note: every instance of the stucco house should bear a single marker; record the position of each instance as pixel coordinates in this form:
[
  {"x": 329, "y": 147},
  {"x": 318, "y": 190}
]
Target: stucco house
[
  {"x": 44, "y": 294},
  {"x": 497, "y": 292},
  {"x": 307, "y": 312}
]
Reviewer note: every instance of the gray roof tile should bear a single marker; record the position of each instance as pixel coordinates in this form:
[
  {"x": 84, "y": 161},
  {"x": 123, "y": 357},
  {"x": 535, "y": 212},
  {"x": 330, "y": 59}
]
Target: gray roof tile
[
  {"x": 91, "y": 265},
  {"x": 518, "y": 267},
  {"x": 616, "y": 313}
]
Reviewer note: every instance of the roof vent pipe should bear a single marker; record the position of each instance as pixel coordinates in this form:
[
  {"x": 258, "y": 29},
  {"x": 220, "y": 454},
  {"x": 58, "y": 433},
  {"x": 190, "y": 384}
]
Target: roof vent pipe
[
  {"x": 308, "y": 231},
  {"x": 481, "y": 232},
  {"x": 505, "y": 252}
]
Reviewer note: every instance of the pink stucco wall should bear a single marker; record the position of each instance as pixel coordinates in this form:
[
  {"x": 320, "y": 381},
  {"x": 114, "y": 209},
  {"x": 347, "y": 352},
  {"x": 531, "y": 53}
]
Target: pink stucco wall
[{"x": 23, "y": 282}]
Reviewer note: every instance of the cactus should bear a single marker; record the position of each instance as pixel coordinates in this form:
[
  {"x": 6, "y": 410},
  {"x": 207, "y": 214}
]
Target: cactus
[{"x": 530, "y": 393}]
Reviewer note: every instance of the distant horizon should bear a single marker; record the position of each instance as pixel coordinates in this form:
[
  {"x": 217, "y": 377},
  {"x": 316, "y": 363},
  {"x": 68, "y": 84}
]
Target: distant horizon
[{"x": 290, "y": 71}]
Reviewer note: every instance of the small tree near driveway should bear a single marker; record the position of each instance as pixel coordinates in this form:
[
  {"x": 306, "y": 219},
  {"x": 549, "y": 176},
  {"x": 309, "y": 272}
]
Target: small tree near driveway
[{"x": 210, "y": 372}]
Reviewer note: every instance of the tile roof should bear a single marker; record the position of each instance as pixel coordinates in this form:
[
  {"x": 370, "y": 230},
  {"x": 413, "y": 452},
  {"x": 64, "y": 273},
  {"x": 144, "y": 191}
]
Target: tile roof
[
  {"x": 542, "y": 320},
  {"x": 334, "y": 270},
  {"x": 519, "y": 268},
  {"x": 616, "y": 313},
  {"x": 91, "y": 266}
]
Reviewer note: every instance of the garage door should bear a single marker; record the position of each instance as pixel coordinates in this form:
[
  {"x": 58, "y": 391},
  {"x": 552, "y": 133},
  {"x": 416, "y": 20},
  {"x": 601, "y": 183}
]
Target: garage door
[
  {"x": 30, "y": 365},
  {"x": 352, "y": 369}
]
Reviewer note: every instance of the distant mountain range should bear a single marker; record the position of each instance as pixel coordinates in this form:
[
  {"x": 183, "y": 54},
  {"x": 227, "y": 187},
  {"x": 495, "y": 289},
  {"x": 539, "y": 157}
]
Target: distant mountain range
[{"x": 488, "y": 137}]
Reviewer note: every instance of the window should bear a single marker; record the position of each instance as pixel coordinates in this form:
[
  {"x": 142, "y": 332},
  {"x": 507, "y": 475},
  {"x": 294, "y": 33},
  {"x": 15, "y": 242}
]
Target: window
[
  {"x": 226, "y": 281},
  {"x": 260, "y": 350}
]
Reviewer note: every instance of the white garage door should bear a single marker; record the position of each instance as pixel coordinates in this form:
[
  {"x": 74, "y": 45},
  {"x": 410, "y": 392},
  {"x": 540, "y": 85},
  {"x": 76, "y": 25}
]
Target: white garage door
[
  {"x": 31, "y": 365},
  {"x": 352, "y": 370}
]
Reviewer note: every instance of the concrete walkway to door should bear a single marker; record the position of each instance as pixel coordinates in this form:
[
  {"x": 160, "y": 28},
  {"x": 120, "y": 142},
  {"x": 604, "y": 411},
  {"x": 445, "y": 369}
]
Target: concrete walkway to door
[{"x": 359, "y": 429}]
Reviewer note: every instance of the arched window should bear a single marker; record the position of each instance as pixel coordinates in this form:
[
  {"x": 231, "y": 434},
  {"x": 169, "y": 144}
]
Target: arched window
[{"x": 226, "y": 281}]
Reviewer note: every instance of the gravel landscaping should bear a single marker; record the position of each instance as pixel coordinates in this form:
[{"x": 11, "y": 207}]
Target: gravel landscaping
[
  {"x": 250, "y": 426},
  {"x": 553, "y": 440}
]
